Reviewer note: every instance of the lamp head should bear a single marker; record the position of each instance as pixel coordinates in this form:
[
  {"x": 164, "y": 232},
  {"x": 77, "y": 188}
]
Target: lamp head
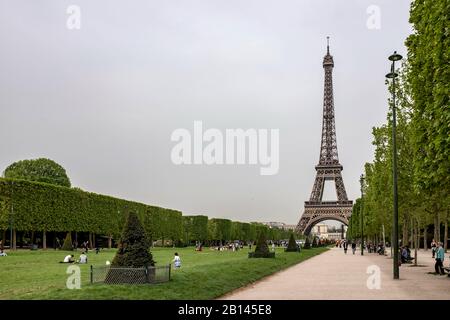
[
  {"x": 395, "y": 57},
  {"x": 392, "y": 75}
]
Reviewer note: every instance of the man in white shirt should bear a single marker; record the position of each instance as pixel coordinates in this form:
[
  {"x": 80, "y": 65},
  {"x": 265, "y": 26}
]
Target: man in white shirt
[
  {"x": 68, "y": 258},
  {"x": 83, "y": 258}
]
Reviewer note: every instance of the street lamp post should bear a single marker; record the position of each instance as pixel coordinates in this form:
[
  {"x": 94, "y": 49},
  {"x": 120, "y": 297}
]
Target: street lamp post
[
  {"x": 392, "y": 75},
  {"x": 361, "y": 181}
]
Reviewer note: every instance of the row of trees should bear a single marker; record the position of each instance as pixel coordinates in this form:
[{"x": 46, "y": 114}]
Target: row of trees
[
  {"x": 41, "y": 208},
  {"x": 423, "y": 140},
  {"x": 201, "y": 229}
]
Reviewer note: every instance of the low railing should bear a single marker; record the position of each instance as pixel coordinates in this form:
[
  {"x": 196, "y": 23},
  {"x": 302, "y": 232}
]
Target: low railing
[{"x": 128, "y": 275}]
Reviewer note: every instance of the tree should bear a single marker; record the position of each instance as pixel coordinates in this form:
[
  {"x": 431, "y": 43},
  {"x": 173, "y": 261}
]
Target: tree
[
  {"x": 67, "y": 245},
  {"x": 292, "y": 245},
  {"x": 38, "y": 170},
  {"x": 134, "y": 246},
  {"x": 307, "y": 244},
  {"x": 314, "y": 243}
]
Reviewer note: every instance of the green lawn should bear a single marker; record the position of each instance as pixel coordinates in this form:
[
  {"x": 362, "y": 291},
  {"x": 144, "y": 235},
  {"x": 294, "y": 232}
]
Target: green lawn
[{"x": 204, "y": 275}]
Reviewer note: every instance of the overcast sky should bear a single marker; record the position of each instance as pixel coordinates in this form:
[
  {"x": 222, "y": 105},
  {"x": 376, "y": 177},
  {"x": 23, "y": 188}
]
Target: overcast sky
[{"x": 103, "y": 100}]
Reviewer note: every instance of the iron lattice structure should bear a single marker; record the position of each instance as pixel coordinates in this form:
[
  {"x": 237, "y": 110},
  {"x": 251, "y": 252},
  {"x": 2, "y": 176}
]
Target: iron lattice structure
[{"x": 328, "y": 168}]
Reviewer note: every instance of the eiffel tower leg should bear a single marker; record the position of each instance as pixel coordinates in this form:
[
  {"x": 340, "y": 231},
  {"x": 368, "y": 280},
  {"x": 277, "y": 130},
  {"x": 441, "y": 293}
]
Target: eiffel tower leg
[
  {"x": 340, "y": 188},
  {"x": 317, "y": 191}
]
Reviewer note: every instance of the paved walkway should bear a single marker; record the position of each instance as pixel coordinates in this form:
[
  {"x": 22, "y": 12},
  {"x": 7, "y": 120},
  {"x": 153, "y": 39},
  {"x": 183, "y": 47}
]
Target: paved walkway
[{"x": 334, "y": 275}]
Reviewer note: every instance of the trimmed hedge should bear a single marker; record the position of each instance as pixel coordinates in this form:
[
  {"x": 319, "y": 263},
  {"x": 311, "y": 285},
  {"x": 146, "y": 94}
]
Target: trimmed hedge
[
  {"x": 45, "y": 207},
  {"x": 40, "y": 207},
  {"x": 195, "y": 228}
]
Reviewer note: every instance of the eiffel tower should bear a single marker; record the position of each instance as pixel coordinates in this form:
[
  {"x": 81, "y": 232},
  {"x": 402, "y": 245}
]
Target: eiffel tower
[{"x": 328, "y": 168}]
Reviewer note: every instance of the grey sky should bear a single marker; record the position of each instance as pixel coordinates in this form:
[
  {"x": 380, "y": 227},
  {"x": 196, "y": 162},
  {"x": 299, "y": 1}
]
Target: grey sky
[{"x": 104, "y": 100}]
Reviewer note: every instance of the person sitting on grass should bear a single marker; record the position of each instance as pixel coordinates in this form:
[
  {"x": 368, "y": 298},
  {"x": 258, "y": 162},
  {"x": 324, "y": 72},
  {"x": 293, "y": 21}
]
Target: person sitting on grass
[
  {"x": 176, "y": 261},
  {"x": 68, "y": 259},
  {"x": 2, "y": 253},
  {"x": 83, "y": 258}
]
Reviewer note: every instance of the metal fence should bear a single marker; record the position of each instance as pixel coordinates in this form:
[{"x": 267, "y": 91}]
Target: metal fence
[{"x": 119, "y": 275}]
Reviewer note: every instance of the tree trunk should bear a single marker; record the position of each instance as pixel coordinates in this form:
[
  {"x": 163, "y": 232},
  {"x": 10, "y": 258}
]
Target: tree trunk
[
  {"x": 109, "y": 241},
  {"x": 425, "y": 243},
  {"x": 94, "y": 245},
  {"x": 413, "y": 240},
  {"x": 405, "y": 233},
  {"x": 14, "y": 244},
  {"x": 90, "y": 240},
  {"x": 446, "y": 233},
  {"x": 436, "y": 226},
  {"x": 44, "y": 240},
  {"x": 416, "y": 241},
  {"x": 3, "y": 239}
]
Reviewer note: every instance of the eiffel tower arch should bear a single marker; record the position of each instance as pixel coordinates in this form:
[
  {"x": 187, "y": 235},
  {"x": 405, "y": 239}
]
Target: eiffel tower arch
[{"x": 328, "y": 168}]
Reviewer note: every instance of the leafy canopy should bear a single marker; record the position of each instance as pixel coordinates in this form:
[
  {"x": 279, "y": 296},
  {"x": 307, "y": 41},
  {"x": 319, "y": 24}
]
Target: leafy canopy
[{"x": 38, "y": 170}]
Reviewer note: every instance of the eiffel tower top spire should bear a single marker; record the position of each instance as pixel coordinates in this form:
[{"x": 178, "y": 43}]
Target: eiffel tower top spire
[
  {"x": 328, "y": 148},
  {"x": 328, "y": 45},
  {"x": 328, "y": 59}
]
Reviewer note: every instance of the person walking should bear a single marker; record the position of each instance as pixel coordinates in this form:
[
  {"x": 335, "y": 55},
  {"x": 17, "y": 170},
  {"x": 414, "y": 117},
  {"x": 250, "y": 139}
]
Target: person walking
[
  {"x": 176, "y": 261},
  {"x": 345, "y": 244},
  {"x": 353, "y": 247},
  {"x": 439, "y": 265},
  {"x": 433, "y": 248}
]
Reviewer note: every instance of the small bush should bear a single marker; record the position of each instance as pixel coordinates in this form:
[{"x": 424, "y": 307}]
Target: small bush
[
  {"x": 262, "y": 249},
  {"x": 292, "y": 245}
]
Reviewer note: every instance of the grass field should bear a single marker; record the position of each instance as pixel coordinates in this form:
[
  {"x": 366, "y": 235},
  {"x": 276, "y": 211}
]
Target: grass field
[{"x": 204, "y": 275}]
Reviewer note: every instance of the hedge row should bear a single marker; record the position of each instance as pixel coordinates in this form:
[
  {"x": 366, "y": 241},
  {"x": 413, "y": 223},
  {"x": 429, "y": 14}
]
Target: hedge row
[{"x": 44, "y": 207}]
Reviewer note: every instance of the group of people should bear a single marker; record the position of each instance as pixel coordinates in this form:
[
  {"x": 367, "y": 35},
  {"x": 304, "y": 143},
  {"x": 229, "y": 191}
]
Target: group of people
[
  {"x": 371, "y": 248},
  {"x": 437, "y": 251},
  {"x": 344, "y": 244},
  {"x": 405, "y": 255},
  {"x": 70, "y": 258}
]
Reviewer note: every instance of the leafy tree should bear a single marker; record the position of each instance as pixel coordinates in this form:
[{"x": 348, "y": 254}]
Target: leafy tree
[
  {"x": 196, "y": 228},
  {"x": 134, "y": 246},
  {"x": 39, "y": 170},
  {"x": 219, "y": 229},
  {"x": 67, "y": 245}
]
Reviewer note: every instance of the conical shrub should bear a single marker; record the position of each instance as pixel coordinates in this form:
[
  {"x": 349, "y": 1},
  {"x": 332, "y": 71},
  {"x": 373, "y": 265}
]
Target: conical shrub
[
  {"x": 292, "y": 245},
  {"x": 262, "y": 249},
  {"x": 134, "y": 246},
  {"x": 67, "y": 245}
]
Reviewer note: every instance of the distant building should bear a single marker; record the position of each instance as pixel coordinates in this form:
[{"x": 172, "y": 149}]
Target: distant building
[
  {"x": 280, "y": 225},
  {"x": 321, "y": 230}
]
